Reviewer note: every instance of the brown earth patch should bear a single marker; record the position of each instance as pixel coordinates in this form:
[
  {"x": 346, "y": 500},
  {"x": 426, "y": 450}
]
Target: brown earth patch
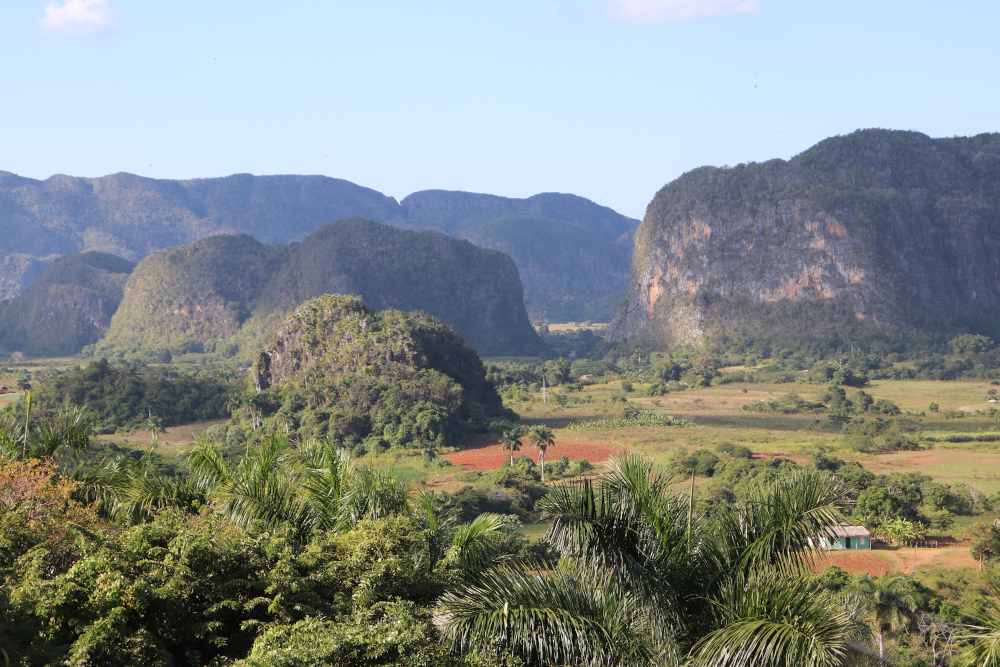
[
  {"x": 489, "y": 456},
  {"x": 852, "y": 562}
]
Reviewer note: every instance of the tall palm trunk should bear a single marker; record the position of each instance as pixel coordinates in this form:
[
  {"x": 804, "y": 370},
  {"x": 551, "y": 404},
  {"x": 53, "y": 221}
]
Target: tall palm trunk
[{"x": 541, "y": 461}]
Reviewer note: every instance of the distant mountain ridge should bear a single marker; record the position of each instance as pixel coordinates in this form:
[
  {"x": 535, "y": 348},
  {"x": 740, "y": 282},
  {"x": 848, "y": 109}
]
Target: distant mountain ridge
[
  {"x": 878, "y": 235},
  {"x": 226, "y": 294},
  {"x": 132, "y": 216}
]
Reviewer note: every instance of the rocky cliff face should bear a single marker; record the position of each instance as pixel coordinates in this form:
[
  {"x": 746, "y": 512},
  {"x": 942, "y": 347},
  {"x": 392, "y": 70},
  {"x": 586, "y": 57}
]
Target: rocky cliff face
[
  {"x": 228, "y": 294},
  {"x": 878, "y": 233},
  {"x": 68, "y": 307}
]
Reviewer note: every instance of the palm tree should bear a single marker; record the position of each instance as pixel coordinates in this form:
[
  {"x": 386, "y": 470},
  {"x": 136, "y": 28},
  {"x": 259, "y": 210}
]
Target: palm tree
[
  {"x": 312, "y": 486},
  {"x": 136, "y": 489},
  {"x": 511, "y": 439},
  {"x": 541, "y": 437},
  {"x": 889, "y": 603},
  {"x": 69, "y": 430},
  {"x": 154, "y": 425},
  {"x": 985, "y": 652},
  {"x": 640, "y": 584}
]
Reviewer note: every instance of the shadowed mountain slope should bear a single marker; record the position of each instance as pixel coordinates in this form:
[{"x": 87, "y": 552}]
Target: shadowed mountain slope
[
  {"x": 132, "y": 216},
  {"x": 68, "y": 307}
]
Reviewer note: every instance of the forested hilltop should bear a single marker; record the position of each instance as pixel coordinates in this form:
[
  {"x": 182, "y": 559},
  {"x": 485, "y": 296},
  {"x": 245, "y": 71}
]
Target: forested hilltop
[
  {"x": 131, "y": 216},
  {"x": 372, "y": 380},
  {"x": 226, "y": 295},
  {"x": 879, "y": 236}
]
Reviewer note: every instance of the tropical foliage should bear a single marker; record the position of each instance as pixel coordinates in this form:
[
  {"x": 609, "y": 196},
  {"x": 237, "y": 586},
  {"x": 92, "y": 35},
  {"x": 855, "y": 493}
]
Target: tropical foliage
[
  {"x": 644, "y": 581},
  {"x": 121, "y": 396},
  {"x": 378, "y": 379}
]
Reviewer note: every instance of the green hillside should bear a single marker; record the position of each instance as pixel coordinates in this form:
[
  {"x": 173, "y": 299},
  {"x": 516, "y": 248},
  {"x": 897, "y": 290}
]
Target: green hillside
[
  {"x": 226, "y": 295},
  {"x": 68, "y": 307},
  {"x": 385, "y": 378},
  {"x": 132, "y": 217}
]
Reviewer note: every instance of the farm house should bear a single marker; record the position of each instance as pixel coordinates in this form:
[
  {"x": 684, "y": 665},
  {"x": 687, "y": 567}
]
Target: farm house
[{"x": 845, "y": 536}]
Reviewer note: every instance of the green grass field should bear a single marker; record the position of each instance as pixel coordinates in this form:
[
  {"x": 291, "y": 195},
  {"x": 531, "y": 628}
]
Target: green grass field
[{"x": 719, "y": 415}]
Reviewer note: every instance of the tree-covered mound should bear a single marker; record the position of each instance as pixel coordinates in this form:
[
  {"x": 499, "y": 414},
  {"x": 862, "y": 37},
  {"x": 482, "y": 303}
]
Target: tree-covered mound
[
  {"x": 878, "y": 236},
  {"x": 378, "y": 379},
  {"x": 68, "y": 307},
  {"x": 123, "y": 397},
  {"x": 228, "y": 294}
]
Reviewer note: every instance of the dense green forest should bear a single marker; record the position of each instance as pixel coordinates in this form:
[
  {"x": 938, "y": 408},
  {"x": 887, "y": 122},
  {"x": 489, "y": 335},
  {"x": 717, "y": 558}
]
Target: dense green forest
[
  {"x": 295, "y": 555},
  {"x": 371, "y": 380},
  {"x": 124, "y": 398}
]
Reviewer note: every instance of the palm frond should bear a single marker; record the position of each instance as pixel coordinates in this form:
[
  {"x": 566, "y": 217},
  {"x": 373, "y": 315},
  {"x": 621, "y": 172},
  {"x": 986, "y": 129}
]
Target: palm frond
[
  {"x": 771, "y": 619},
  {"x": 773, "y": 526},
  {"x": 554, "y": 619}
]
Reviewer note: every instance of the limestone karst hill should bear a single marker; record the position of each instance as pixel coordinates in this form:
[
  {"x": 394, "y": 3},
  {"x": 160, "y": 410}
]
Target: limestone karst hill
[
  {"x": 882, "y": 235},
  {"x": 226, "y": 294},
  {"x": 68, "y": 307}
]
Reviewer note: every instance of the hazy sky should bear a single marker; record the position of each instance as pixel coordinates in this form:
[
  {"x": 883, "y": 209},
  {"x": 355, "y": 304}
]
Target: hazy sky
[{"x": 609, "y": 100}]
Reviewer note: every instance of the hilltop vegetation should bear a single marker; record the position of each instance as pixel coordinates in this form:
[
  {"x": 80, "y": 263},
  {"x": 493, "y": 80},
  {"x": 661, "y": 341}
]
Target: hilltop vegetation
[
  {"x": 227, "y": 295},
  {"x": 880, "y": 237},
  {"x": 371, "y": 380},
  {"x": 68, "y": 307}
]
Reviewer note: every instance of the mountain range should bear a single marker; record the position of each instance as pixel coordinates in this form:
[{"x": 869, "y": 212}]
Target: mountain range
[{"x": 131, "y": 217}]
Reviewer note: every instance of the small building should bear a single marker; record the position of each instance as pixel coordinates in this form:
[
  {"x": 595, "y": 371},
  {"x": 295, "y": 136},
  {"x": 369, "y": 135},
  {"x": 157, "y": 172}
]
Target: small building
[
  {"x": 845, "y": 536},
  {"x": 588, "y": 377}
]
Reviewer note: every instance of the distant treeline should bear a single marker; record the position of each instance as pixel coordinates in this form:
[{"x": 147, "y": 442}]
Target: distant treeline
[{"x": 122, "y": 397}]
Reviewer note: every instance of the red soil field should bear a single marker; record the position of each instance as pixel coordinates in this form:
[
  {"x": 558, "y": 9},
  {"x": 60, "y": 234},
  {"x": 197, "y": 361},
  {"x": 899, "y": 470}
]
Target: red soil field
[
  {"x": 489, "y": 456},
  {"x": 853, "y": 563}
]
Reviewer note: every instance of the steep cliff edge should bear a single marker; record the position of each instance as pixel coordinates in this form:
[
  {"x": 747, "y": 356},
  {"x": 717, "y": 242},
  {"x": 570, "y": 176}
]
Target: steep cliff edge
[{"x": 879, "y": 234}]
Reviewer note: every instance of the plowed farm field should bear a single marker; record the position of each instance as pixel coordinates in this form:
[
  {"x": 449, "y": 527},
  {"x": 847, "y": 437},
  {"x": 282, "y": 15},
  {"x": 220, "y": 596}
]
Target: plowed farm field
[
  {"x": 489, "y": 455},
  {"x": 853, "y": 563}
]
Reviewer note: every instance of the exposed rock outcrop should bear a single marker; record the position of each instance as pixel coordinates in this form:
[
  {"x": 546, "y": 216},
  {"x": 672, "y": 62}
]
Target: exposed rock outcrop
[{"x": 875, "y": 234}]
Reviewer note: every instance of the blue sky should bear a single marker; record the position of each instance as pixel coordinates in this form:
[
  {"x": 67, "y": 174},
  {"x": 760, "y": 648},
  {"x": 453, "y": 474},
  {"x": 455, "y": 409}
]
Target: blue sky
[{"x": 607, "y": 99}]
